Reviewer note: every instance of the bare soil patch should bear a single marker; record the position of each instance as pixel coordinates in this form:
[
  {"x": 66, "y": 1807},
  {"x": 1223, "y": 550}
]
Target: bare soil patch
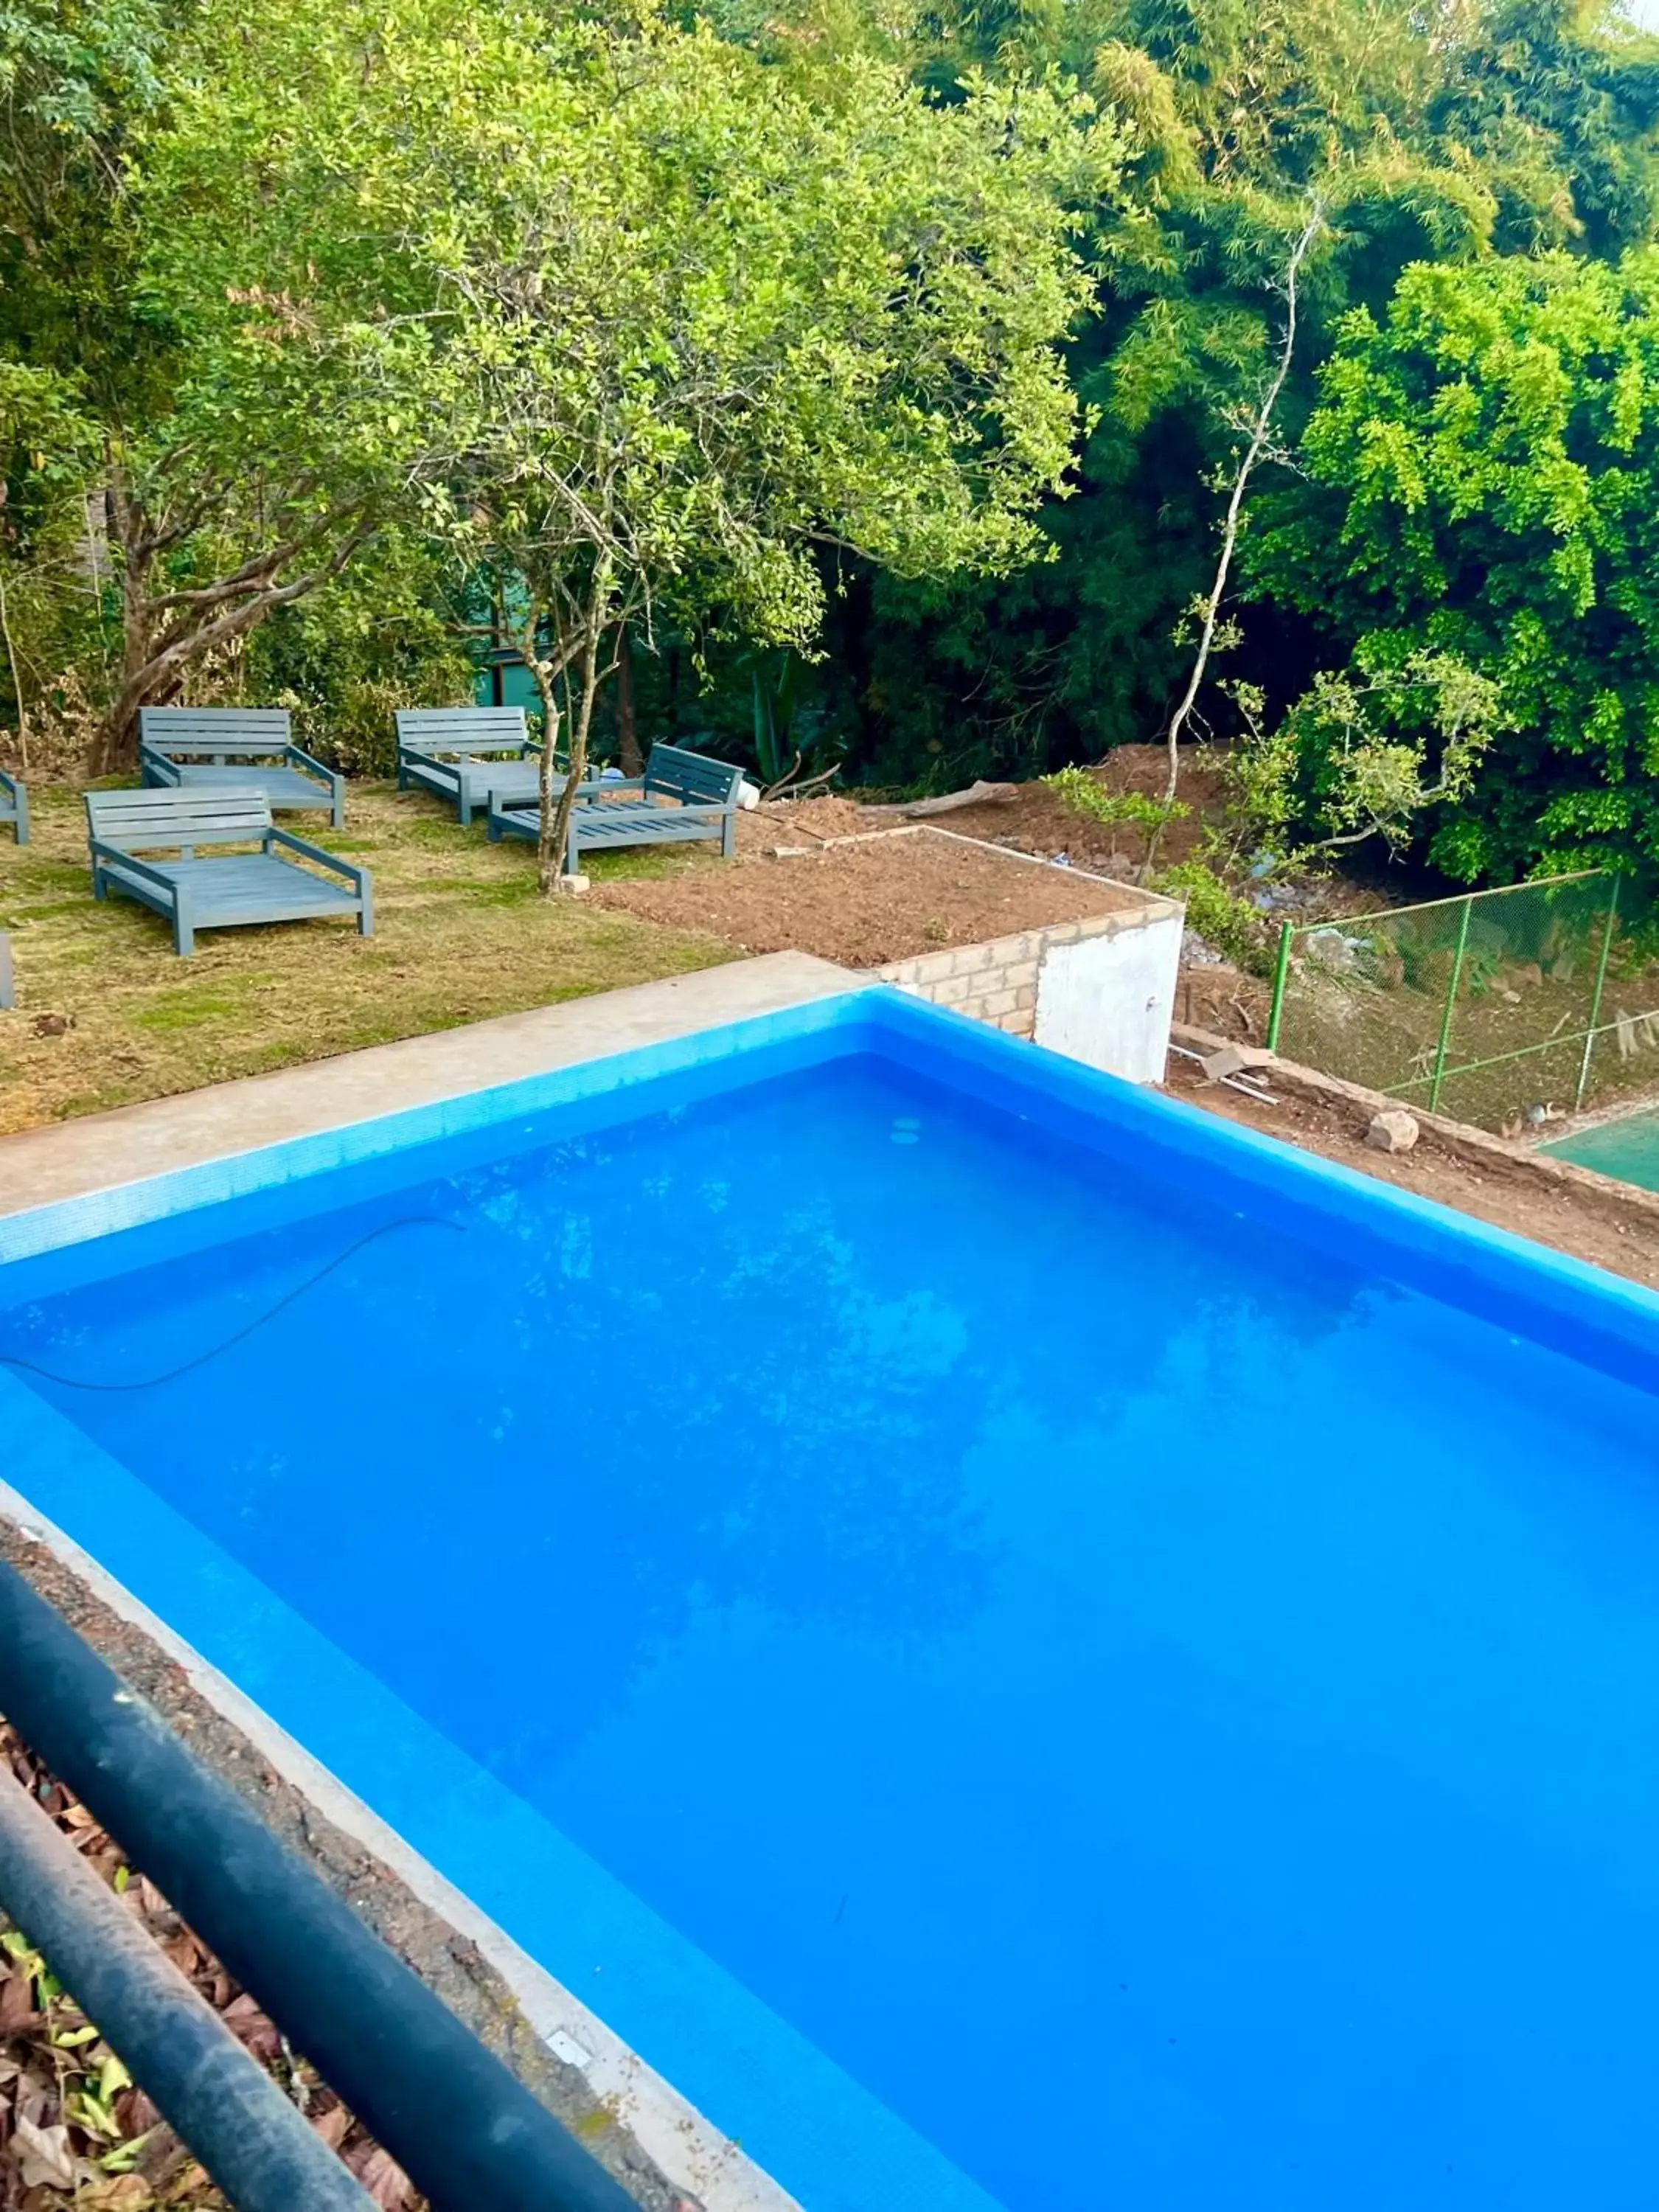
[
  {"x": 1034, "y": 821},
  {"x": 1609, "y": 1232},
  {"x": 810, "y": 822},
  {"x": 865, "y": 904}
]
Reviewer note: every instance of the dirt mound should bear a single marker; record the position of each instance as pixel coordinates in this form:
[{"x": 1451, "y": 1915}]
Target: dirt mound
[
  {"x": 1033, "y": 820},
  {"x": 866, "y": 904}
]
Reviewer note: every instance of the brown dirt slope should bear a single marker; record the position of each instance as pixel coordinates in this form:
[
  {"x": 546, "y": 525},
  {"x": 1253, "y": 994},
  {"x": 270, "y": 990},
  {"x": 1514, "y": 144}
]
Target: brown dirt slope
[{"x": 867, "y": 903}]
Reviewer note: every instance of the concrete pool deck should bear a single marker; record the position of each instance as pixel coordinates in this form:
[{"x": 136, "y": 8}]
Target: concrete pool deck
[
  {"x": 663, "y": 2149},
  {"x": 71, "y": 1160}
]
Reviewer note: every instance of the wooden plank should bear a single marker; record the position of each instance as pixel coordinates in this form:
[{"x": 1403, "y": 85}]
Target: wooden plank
[
  {"x": 163, "y": 725},
  {"x": 692, "y": 777},
  {"x": 462, "y": 729},
  {"x": 167, "y": 815},
  {"x": 14, "y": 806},
  {"x": 283, "y": 787}
]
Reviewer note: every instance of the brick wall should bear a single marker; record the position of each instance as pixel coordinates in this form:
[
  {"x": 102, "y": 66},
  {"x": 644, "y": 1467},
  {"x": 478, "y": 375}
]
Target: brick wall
[{"x": 997, "y": 982}]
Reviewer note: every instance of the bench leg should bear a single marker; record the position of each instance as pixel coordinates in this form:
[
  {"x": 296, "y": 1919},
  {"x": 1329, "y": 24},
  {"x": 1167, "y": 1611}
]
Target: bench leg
[
  {"x": 339, "y": 802},
  {"x": 366, "y": 911},
  {"x": 728, "y": 837},
  {"x": 99, "y": 888},
  {"x": 22, "y": 823},
  {"x": 573, "y": 850},
  {"x": 184, "y": 936},
  {"x": 463, "y": 808},
  {"x": 494, "y": 830}
]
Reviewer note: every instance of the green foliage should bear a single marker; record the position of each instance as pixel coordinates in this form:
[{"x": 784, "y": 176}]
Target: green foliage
[
  {"x": 1218, "y": 915},
  {"x": 1484, "y": 466},
  {"x": 1085, "y": 795},
  {"x": 1366, "y": 751},
  {"x": 343, "y": 669},
  {"x": 1512, "y": 127}
]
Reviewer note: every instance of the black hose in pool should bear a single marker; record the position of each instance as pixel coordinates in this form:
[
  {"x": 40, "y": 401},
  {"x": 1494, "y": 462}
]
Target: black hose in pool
[{"x": 216, "y": 1351}]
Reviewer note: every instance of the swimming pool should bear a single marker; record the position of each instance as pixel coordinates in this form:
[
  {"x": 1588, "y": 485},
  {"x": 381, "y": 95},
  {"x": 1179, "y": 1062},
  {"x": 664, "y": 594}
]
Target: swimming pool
[
  {"x": 1627, "y": 1148},
  {"x": 1024, "y": 1647}
]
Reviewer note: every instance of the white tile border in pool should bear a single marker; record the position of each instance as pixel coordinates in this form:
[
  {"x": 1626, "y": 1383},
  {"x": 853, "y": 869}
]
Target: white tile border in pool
[
  {"x": 102, "y": 1152},
  {"x": 39, "y": 1167}
]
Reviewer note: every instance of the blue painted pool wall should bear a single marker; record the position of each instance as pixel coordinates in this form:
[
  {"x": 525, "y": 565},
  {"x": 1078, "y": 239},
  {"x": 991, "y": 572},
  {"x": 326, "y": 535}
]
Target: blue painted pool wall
[{"x": 1610, "y": 1324}]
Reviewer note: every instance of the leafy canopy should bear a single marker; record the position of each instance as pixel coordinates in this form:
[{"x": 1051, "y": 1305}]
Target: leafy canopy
[{"x": 1485, "y": 466}]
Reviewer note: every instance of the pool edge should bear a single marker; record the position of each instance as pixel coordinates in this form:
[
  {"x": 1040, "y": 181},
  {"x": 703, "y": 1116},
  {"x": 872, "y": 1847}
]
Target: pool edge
[
  {"x": 90, "y": 1154},
  {"x": 691, "y": 2154}
]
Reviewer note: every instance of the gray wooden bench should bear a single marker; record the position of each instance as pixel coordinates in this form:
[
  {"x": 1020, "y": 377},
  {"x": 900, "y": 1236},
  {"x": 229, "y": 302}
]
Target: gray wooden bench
[
  {"x": 14, "y": 807},
  {"x": 230, "y": 890},
  {"x": 470, "y": 756},
  {"x": 682, "y": 798},
  {"x": 239, "y": 749}
]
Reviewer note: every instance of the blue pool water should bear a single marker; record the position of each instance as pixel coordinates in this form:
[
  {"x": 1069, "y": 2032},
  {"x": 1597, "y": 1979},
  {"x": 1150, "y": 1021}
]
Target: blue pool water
[
  {"x": 1168, "y": 1712},
  {"x": 1627, "y": 1148}
]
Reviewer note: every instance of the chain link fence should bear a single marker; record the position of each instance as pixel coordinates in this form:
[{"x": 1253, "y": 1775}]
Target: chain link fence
[{"x": 1504, "y": 1008}]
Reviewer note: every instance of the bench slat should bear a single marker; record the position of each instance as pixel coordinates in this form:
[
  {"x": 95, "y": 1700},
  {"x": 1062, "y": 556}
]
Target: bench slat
[
  {"x": 208, "y": 726},
  {"x": 461, "y": 729}
]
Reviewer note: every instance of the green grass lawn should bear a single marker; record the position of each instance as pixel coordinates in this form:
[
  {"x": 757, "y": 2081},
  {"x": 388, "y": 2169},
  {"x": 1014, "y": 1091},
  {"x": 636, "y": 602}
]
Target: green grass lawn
[{"x": 106, "y": 1014}]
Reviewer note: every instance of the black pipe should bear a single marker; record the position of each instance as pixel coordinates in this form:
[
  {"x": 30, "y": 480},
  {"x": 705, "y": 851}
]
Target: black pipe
[
  {"x": 466, "y": 2130},
  {"x": 263, "y": 2154}
]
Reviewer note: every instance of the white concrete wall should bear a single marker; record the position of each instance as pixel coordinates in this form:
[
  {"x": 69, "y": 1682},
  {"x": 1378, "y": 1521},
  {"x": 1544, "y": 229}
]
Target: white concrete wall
[
  {"x": 1109, "y": 1000},
  {"x": 1101, "y": 991}
]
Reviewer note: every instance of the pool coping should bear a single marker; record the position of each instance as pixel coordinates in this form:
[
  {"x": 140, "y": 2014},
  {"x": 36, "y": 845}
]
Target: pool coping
[{"x": 96, "y": 1153}]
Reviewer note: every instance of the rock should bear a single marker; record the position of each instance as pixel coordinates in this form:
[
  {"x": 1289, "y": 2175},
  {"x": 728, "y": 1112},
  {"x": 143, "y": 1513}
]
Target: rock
[
  {"x": 1195, "y": 953},
  {"x": 1393, "y": 1130},
  {"x": 575, "y": 886},
  {"x": 1331, "y": 951}
]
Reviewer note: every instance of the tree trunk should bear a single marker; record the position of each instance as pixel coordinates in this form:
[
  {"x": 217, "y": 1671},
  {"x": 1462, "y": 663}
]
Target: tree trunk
[
  {"x": 1257, "y": 444},
  {"x": 549, "y": 842},
  {"x": 115, "y": 746},
  {"x": 597, "y": 617},
  {"x": 628, "y": 734}
]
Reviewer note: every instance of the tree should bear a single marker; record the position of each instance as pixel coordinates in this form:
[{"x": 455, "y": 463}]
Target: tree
[
  {"x": 674, "y": 332},
  {"x": 1485, "y": 484},
  {"x": 1481, "y": 127}
]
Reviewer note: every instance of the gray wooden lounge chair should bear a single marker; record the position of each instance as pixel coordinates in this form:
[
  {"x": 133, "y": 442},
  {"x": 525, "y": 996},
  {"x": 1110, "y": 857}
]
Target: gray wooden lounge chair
[
  {"x": 469, "y": 755},
  {"x": 218, "y": 893},
  {"x": 681, "y": 797},
  {"x": 236, "y": 748},
  {"x": 14, "y": 807}
]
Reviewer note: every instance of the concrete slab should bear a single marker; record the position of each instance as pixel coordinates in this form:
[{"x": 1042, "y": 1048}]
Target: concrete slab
[{"x": 103, "y": 1151}]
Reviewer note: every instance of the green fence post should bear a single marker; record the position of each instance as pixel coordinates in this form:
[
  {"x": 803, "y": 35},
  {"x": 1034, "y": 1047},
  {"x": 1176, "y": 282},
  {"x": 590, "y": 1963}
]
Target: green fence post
[
  {"x": 1451, "y": 1001},
  {"x": 1281, "y": 976},
  {"x": 1595, "y": 1002}
]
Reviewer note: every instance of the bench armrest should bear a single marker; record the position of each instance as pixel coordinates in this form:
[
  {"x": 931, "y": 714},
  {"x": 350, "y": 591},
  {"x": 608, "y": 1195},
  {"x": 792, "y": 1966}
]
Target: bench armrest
[
  {"x": 117, "y": 856},
  {"x": 611, "y": 783},
  {"x": 307, "y": 766},
  {"x": 286, "y": 838},
  {"x": 153, "y": 760}
]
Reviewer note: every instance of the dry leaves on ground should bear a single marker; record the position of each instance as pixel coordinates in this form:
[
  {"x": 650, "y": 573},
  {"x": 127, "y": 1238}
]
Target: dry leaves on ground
[{"x": 75, "y": 2129}]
